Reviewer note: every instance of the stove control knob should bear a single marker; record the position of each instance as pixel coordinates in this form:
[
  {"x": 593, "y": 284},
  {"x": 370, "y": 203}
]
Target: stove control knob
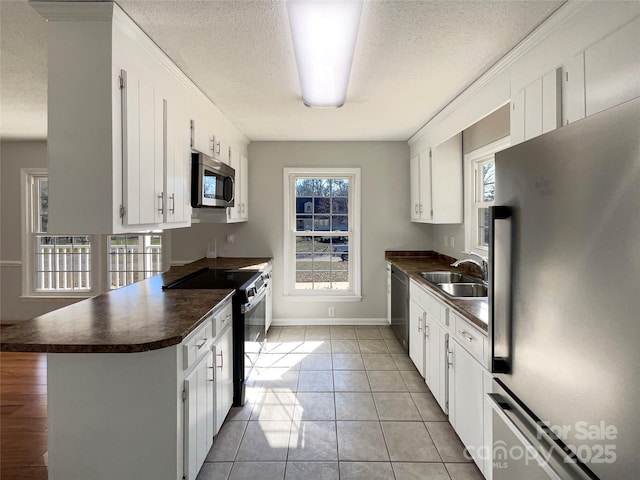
[{"x": 251, "y": 292}]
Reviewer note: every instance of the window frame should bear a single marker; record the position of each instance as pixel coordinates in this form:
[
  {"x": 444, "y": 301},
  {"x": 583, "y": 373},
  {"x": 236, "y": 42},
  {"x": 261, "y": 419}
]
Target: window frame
[
  {"x": 290, "y": 175},
  {"x": 472, "y": 161},
  {"x": 29, "y": 210},
  {"x": 148, "y": 271},
  {"x": 99, "y": 274}
]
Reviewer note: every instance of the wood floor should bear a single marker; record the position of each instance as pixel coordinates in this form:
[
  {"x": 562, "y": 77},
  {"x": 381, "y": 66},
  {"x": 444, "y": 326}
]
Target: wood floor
[{"x": 23, "y": 416}]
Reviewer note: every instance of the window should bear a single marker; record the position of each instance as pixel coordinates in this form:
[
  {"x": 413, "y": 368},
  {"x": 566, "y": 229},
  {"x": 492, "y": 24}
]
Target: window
[
  {"x": 480, "y": 168},
  {"x": 322, "y": 232},
  {"x": 133, "y": 258},
  {"x": 53, "y": 264},
  {"x": 68, "y": 265}
]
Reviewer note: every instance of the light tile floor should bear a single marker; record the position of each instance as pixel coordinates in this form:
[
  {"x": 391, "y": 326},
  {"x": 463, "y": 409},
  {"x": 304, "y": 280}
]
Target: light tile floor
[{"x": 332, "y": 403}]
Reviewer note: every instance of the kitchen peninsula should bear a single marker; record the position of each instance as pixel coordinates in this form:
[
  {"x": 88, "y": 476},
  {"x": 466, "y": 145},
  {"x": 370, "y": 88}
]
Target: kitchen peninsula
[{"x": 116, "y": 366}]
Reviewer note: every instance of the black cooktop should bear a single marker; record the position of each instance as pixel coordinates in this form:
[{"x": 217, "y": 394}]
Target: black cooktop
[{"x": 210, "y": 278}]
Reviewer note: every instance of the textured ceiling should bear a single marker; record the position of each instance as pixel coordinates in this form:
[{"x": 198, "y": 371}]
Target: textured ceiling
[{"x": 412, "y": 58}]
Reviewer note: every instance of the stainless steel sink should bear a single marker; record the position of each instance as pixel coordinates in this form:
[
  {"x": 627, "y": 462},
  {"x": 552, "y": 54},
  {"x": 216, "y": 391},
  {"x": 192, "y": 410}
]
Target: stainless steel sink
[
  {"x": 447, "y": 277},
  {"x": 464, "y": 290}
]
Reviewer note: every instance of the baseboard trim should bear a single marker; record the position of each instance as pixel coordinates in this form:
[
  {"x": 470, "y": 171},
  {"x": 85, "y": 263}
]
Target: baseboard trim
[{"x": 290, "y": 322}]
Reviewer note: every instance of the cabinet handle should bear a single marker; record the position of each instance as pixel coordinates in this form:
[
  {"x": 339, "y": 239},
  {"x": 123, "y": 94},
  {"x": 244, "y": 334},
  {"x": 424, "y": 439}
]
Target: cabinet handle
[
  {"x": 420, "y": 323},
  {"x": 243, "y": 208},
  {"x": 416, "y": 207},
  {"x": 218, "y": 147},
  {"x": 426, "y": 331},
  {"x": 221, "y": 359},
  {"x": 450, "y": 358},
  {"x": 226, "y": 318},
  {"x": 466, "y": 336},
  {"x": 420, "y": 208},
  {"x": 172, "y": 197},
  {"x": 204, "y": 342},
  {"x": 161, "y": 198}
]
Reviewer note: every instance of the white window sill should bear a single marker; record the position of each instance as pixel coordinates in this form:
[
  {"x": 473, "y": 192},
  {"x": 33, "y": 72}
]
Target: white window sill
[{"x": 322, "y": 298}]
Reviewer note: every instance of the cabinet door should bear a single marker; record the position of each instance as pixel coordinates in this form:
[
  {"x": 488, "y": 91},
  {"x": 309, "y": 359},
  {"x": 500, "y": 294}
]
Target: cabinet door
[
  {"x": 415, "y": 187},
  {"x": 244, "y": 187},
  {"x": 198, "y": 412},
  {"x": 143, "y": 151},
  {"x": 269, "y": 305},
  {"x": 416, "y": 335},
  {"x": 552, "y": 100},
  {"x": 517, "y": 118},
  {"x": 234, "y": 213},
  {"x": 533, "y": 109},
  {"x": 438, "y": 377},
  {"x": 466, "y": 400},
  {"x": 177, "y": 166},
  {"x": 425, "y": 207},
  {"x": 612, "y": 69},
  {"x": 446, "y": 182},
  {"x": 224, "y": 377},
  {"x": 573, "y": 101}
]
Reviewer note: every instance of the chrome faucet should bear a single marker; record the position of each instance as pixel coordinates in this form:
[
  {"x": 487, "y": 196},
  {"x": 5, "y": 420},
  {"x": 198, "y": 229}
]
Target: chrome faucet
[{"x": 481, "y": 264}]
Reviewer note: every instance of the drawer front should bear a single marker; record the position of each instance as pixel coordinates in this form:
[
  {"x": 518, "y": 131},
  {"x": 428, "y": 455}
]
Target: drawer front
[
  {"x": 223, "y": 319},
  {"x": 470, "y": 338},
  {"x": 196, "y": 345}
]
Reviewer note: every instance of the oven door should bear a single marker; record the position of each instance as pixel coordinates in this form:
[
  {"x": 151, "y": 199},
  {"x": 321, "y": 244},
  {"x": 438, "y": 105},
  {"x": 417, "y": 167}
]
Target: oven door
[{"x": 255, "y": 314}]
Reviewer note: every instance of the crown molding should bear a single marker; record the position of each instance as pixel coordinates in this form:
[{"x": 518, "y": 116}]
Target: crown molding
[{"x": 553, "y": 23}]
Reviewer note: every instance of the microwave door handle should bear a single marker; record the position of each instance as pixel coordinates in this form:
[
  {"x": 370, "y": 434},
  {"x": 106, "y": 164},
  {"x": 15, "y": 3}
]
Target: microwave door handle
[{"x": 500, "y": 241}]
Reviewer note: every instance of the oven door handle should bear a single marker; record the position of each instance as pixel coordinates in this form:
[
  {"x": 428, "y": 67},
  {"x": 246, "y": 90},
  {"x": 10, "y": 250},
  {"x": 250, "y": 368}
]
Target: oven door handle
[{"x": 247, "y": 307}]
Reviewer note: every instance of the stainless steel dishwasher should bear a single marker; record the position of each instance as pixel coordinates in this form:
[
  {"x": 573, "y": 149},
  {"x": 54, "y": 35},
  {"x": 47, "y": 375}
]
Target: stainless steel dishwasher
[{"x": 400, "y": 306}]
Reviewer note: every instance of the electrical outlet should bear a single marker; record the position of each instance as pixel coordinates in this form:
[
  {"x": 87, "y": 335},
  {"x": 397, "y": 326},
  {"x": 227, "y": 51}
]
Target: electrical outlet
[
  {"x": 446, "y": 241},
  {"x": 230, "y": 238},
  {"x": 331, "y": 311}
]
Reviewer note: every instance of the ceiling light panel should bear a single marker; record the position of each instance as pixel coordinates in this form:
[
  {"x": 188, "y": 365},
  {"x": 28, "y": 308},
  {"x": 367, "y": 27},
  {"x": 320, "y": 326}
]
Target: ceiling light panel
[{"x": 324, "y": 38}]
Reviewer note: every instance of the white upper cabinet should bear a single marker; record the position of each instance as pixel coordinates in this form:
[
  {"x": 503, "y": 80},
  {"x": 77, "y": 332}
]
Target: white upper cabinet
[
  {"x": 573, "y": 101},
  {"x": 119, "y": 115},
  {"x": 612, "y": 69},
  {"x": 537, "y": 108},
  {"x": 436, "y": 183}
]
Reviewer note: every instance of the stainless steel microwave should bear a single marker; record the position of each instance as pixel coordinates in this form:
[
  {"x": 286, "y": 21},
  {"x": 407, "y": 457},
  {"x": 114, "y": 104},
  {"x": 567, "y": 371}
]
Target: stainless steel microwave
[{"x": 212, "y": 182}]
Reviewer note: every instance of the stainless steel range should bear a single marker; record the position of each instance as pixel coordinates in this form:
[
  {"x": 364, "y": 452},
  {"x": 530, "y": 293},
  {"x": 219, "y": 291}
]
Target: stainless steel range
[{"x": 249, "y": 315}]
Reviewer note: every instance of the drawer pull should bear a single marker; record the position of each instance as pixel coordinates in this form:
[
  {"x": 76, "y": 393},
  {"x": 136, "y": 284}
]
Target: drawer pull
[
  {"x": 228, "y": 317},
  {"x": 466, "y": 335},
  {"x": 204, "y": 342},
  {"x": 420, "y": 323}
]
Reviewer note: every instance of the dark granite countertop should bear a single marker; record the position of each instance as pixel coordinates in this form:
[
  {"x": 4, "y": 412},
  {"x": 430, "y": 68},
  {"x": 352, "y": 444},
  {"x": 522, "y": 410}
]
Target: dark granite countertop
[
  {"x": 136, "y": 318},
  {"x": 413, "y": 262}
]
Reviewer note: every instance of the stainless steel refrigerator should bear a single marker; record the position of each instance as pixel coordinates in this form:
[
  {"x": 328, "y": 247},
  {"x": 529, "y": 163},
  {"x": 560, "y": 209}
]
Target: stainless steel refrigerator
[{"x": 565, "y": 302}]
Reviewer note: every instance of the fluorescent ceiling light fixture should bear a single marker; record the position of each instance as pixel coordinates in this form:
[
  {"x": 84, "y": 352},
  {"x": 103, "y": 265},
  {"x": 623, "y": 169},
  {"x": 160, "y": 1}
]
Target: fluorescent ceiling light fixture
[{"x": 324, "y": 38}]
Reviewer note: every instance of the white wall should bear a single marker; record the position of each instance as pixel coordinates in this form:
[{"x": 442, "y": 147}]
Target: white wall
[
  {"x": 385, "y": 221},
  {"x": 13, "y": 157}
]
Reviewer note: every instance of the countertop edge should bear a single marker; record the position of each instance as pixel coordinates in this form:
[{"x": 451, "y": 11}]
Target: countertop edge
[{"x": 394, "y": 257}]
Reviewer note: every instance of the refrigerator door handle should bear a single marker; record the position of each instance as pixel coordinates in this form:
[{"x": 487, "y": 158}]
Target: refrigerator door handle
[
  {"x": 536, "y": 441},
  {"x": 500, "y": 288},
  {"x": 501, "y": 408}
]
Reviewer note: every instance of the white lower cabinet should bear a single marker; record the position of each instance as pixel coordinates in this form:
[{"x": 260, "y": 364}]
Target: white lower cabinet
[
  {"x": 208, "y": 386},
  {"x": 451, "y": 354},
  {"x": 437, "y": 364},
  {"x": 466, "y": 401},
  {"x": 199, "y": 415},
  {"x": 428, "y": 340},
  {"x": 417, "y": 320},
  {"x": 223, "y": 348}
]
